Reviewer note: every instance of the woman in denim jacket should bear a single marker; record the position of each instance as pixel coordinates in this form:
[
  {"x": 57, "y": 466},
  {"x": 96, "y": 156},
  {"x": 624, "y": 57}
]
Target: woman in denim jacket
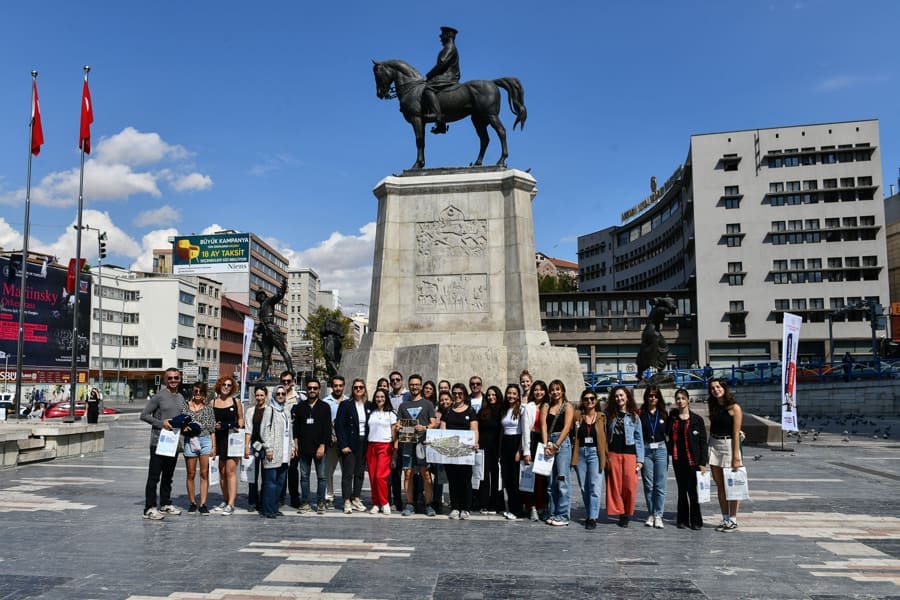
[{"x": 626, "y": 454}]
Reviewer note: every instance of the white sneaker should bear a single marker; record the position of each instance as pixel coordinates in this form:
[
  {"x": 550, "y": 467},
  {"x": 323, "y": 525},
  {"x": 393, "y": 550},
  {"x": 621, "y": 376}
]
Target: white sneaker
[
  {"x": 220, "y": 507},
  {"x": 170, "y": 510},
  {"x": 153, "y": 514},
  {"x": 386, "y": 509},
  {"x": 534, "y": 515},
  {"x": 454, "y": 514},
  {"x": 373, "y": 510},
  {"x": 509, "y": 516},
  {"x": 228, "y": 510},
  {"x": 464, "y": 515},
  {"x": 348, "y": 510},
  {"x": 658, "y": 522},
  {"x": 357, "y": 505},
  {"x": 650, "y": 521}
]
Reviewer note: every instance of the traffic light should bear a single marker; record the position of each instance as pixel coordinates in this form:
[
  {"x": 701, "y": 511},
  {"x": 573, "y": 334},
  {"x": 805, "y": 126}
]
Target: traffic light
[{"x": 101, "y": 242}]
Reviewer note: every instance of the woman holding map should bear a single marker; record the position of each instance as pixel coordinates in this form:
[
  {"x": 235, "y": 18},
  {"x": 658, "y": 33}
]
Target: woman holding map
[{"x": 459, "y": 477}]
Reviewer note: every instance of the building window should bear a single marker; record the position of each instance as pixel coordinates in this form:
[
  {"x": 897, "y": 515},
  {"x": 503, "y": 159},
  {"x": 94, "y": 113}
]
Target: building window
[
  {"x": 782, "y": 304},
  {"x": 736, "y": 318},
  {"x": 736, "y": 273},
  {"x": 733, "y": 236},
  {"x": 186, "y": 320},
  {"x": 775, "y": 160},
  {"x": 185, "y": 298}
]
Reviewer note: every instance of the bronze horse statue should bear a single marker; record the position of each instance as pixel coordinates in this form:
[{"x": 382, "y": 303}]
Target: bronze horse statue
[{"x": 479, "y": 99}]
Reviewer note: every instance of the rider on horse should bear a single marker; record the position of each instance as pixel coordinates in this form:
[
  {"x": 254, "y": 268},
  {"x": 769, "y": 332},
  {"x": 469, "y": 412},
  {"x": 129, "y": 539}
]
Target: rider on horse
[{"x": 445, "y": 74}]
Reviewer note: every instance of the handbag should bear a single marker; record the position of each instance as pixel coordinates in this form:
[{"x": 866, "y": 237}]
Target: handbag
[
  {"x": 248, "y": 470},
  {"x": 478, "y": 469},
  {"x": 214, "y": 477},
  {"x": 526, "y": 477},
  {"x": 236, "y": 444},
  {"x": 703, "y": 487},
  {"x": 543, "y": 464},
  {"x": 168, "y": 442},
  {"x": 736, "y": 485}
]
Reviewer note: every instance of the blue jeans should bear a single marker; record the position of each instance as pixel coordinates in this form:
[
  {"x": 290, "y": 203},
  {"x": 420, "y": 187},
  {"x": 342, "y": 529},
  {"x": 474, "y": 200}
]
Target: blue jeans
[
  {"x": 305, "y": 465},
  {"x": 560, "y": 495},
  {"x": 588, "y": 470},
  {"x": 273, "y": 481},
  {"x": 654, "y": 473}
]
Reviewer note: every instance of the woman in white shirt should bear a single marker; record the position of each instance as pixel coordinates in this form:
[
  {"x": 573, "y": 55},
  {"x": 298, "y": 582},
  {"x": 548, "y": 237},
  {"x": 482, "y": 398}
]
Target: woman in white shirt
[
  {"x": 511, "y": 450},
  {"x": 382, "y": 438}
]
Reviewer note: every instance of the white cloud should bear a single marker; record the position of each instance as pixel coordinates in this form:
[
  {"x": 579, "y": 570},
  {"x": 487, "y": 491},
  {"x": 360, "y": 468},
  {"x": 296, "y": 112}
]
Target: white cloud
[
  {"x": 343, "y": 262},
  {"x": 117, "y": 170},
  {"x": 270, "y": 163},
  {"x": 193, "y": 181},
  {"x": 9, "y": 237},
  {"x": 836, "y": 83},
  {"x": 131, "y": 147},
  {"x": 118, "y": 242},
  {"x": 158, "y": 238},
  {"x": 163, "y": 215}
]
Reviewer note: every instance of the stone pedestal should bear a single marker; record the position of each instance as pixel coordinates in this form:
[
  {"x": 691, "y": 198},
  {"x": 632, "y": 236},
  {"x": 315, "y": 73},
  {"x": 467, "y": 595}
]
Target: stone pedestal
[{"x": 454, "y": 286}]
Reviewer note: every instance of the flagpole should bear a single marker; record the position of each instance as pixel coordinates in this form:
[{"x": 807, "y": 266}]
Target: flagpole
[
  {"x": 74, "y": 372},
  {"x": 20, "y": 345}
]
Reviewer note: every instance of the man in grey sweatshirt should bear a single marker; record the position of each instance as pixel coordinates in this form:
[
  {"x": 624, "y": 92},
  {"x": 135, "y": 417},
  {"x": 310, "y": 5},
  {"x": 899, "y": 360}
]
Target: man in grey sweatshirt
[{"x": 164, "y": 406}]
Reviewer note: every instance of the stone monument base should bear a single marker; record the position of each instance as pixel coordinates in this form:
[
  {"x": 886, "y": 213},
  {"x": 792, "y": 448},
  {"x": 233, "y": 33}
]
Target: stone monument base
[{"x": 454, "y": 283}]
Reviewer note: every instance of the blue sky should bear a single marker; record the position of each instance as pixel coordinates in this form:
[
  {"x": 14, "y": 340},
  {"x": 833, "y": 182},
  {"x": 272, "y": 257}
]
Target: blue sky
[{"x": 263, "y": 116}]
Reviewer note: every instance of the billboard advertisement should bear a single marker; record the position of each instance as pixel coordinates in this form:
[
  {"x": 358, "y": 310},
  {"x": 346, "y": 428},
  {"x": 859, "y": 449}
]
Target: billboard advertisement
[
  {"x": 216, "y": 253},
  {"x": 48, "y": 316}
]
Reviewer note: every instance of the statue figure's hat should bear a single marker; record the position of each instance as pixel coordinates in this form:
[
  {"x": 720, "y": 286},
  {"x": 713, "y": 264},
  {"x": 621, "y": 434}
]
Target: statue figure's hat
[{"x": 449, "y": 31}]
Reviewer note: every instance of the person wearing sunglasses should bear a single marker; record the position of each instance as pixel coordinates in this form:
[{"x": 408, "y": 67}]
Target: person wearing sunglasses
[
  {"x": 293, "y": 396},
  {"x": 590, "y": 455},
  {"x": 198, "y": 444},
  {"x": 275, "y": 435},
  {"x": 159, "y": 411},
  {"x": 352, "y": 428},
  {"x": 229, "y": 418},
  {"x": 312, "y": 437}
]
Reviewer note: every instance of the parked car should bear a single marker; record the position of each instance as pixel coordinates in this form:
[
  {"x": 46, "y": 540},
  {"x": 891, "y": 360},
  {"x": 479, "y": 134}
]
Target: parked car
[
  {"x": 8, "y": 400},
  {"x": 61, "y": 409}
]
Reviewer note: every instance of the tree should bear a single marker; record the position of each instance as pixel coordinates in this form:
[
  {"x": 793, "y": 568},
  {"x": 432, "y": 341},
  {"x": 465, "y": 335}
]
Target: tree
[
  {"x": 557, "y": 283},
  {"x": 313, "y": 328}
]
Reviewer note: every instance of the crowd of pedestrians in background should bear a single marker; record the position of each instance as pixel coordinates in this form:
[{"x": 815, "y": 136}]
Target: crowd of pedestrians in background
[{"x": 288, "y": 436}]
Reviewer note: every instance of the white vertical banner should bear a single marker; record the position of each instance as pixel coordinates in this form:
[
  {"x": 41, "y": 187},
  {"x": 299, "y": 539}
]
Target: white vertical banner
[
  {"x": 789, "y": 344},
  {"x": 245, "y": 354}
]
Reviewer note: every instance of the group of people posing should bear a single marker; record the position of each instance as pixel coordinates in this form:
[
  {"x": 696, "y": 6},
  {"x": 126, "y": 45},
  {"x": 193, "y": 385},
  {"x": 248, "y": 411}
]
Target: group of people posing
[{"x": 290, "y": 434}]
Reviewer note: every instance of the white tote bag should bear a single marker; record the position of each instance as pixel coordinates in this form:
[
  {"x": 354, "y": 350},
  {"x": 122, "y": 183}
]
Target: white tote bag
[
  {"x": 703, "y": 487},
  {"x": 526, "y": 477},
  {"x": 214, "y": 478},
  {"x": 478, "y": 469},
  {"x": 168, "y": 442},
  {"x": 543, "y": 464},
  {"x": 236, "y": 444},
  {"x": 736, "y": 485},
  {"x": 248, "y": 469}
]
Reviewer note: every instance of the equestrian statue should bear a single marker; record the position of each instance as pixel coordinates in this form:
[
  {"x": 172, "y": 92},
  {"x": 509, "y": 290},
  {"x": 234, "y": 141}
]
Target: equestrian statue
[{"x": 439, "y": 98}]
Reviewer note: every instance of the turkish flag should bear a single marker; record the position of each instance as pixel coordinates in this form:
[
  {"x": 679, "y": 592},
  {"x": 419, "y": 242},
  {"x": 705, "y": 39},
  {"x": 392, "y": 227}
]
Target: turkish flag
[
  {"x": 87, "y": 117},
  {"x": 37, "y": 132}
]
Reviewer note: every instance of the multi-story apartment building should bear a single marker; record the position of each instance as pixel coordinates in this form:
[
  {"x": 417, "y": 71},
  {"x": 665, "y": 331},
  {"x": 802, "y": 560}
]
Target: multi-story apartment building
[
  {"x": 302, "y": 299},
  {"x": 267, "y": 268},
  {"x": 758, "y": 223},
  {"x": 149, "y": 323}
]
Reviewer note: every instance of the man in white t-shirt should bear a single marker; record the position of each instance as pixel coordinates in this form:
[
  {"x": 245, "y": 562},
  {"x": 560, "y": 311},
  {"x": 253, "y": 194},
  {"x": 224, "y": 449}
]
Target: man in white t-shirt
[{"x": 476, "y": 397}]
